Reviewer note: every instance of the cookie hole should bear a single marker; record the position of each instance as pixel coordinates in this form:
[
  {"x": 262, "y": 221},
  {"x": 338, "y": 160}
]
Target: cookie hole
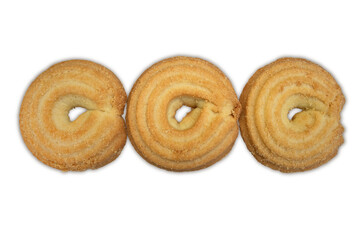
[
  {"x": 75, "y": 113},
  {"x": 293, "y": 111},
  {"x": 182, "y": 112}
]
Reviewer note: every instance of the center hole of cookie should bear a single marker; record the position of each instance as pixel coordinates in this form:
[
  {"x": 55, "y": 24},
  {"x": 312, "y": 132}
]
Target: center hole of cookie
[
  {"x": 75, "y": 113},
  {"x": 182, "y": 112},
  {"x": 293, "y": 111}
]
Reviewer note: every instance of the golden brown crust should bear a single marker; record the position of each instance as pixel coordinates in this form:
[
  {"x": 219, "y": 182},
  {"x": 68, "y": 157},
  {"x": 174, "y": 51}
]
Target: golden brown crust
[
  {"x": 312, "y": 137},
  {"x": 204, "y": 136},
  {"x": 96, "y": 137}
]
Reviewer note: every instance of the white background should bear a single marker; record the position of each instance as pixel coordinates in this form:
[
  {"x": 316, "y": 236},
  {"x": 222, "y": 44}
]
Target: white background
[{"x": 237, "y": 198}]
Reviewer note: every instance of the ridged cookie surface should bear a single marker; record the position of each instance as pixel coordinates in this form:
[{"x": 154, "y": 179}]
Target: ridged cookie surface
[
  {"x": 204, "y": 136},
  {"x": 96, "y": 137},
  {"x": 312, "y": 137}
]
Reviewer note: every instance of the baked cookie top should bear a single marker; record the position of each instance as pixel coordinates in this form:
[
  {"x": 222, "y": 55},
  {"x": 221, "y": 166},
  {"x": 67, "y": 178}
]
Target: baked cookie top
[
  {"x": 307, "y": 140},
  {"x": 96, "y": 137},
  {"x": 204, "y": 135}
]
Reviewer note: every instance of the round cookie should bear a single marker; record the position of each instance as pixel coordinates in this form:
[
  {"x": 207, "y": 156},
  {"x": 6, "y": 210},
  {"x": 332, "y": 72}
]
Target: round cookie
[
  {"x": 204, "y": 136},
  {"x": 91, "y": 141},
  {"x": 311, "y": 137}
]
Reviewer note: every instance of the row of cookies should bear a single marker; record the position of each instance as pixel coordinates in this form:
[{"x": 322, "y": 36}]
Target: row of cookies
[{"x": 205, "y": 135}]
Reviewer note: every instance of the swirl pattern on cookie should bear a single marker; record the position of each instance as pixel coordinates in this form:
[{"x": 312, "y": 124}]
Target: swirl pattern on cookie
[
  {"x": 204, "y": 135},
  {"x": 96, "y": 137},
  {"x": 307, "y": 140}
]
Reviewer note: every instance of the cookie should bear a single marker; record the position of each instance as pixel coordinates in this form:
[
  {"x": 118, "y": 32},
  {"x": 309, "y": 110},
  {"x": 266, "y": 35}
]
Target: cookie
[
  {"x": 96, "y": 137},
  {"x": 204, "y": 136},
  {"x": 311, "y": 137}
]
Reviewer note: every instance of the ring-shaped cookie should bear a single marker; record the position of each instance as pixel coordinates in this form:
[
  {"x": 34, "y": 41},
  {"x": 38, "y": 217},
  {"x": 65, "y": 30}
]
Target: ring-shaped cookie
[
  {"x": 311, "y": 137},
  {"x": 96, "y": 137},
  {"x": 204, "y": 135}
]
